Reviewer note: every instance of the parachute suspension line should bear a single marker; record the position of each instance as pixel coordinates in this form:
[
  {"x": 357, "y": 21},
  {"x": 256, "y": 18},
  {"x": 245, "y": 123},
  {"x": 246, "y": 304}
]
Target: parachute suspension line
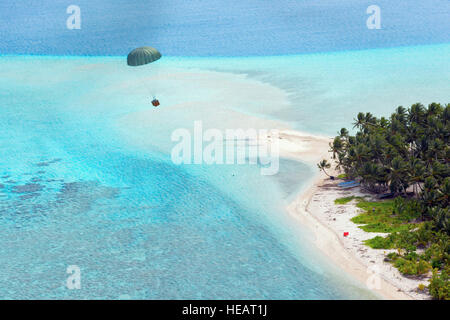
[
  {"x": 142, "y": 75},
  {"x": 142, "y": 56},
  {"x": 147, "y": 88}
]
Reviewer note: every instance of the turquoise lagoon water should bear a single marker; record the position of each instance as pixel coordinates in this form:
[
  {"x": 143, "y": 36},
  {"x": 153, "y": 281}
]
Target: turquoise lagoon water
[
  {"x": 78, "y": 188},
  {"x": 327, "y": 90},
  {"x": 74, "y": 192}
]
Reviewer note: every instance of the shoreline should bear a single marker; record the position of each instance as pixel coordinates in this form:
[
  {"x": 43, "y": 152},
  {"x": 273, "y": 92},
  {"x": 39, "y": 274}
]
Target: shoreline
[
  {"x": 143, "y": 123},
  {"x": 304, "y": 147},
  {"x": 329, "y": 242},
  {"x": 295, "y": 145}
]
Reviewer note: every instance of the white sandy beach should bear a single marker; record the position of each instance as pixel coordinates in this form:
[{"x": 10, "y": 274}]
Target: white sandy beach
[{"x": 315, "y": 208}]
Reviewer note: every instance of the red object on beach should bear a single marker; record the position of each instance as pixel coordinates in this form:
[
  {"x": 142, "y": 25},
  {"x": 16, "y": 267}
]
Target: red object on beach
[
  {"x": 155, "y": 102},
  {"x": 345, "y": 234}
]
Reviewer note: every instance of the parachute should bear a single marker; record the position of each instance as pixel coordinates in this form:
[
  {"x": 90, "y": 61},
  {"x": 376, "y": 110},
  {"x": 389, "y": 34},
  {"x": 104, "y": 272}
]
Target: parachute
[{"x": 142, "y": 56}]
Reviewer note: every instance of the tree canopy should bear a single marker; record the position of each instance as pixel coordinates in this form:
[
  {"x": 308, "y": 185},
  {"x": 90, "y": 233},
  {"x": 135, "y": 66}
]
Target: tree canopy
[{"x": 407, "y": 154}]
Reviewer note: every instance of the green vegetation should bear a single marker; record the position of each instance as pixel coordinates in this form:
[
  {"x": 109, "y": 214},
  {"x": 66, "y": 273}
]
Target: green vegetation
[
  {"x": 379, "y": 217},
  {"x": 440, "y": 285},
  {"x": 407, "y": 155},
  {"x": 380, "y": 243},
  {"x": 345, "y": 200}
]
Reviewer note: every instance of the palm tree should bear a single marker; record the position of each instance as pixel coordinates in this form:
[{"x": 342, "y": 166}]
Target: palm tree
[
  {"x": 416, "y": 172},
  {"x": 343, "y": 133},
  {"x": 416, "y": 113},
  {"x": 337, "y": 146},
  {"x": 324, "y": 164},
  {"x": 411, "y": 147},
  {"x": 359, "y": 121},
  {"x": 397, "y": 175}
]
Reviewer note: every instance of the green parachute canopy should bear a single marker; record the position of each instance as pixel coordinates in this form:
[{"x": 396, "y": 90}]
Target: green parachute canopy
[{"x": 143, "y": 55}]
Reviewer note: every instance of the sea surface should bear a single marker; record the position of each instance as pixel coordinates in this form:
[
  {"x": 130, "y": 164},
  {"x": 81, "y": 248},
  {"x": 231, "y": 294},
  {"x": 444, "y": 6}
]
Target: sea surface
[
  {"x": 219, "y": 28},
  {"x": 77, "y": 187}
]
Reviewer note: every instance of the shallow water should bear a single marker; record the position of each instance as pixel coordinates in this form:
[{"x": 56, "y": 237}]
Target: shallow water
[
  {"x": 325, "y": 91},
  {"x": 83, "y": 182},
  {"x": 75, "y": 191},
  {"x": 84, "y": 191}
]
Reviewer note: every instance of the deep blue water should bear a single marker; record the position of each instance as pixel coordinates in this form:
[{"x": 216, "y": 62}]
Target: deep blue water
[{"x": 218, "y": 27}]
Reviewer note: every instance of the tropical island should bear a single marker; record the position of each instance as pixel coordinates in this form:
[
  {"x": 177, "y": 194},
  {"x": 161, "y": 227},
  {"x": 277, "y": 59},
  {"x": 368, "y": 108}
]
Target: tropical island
[{"x": 400, "y": 165}]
